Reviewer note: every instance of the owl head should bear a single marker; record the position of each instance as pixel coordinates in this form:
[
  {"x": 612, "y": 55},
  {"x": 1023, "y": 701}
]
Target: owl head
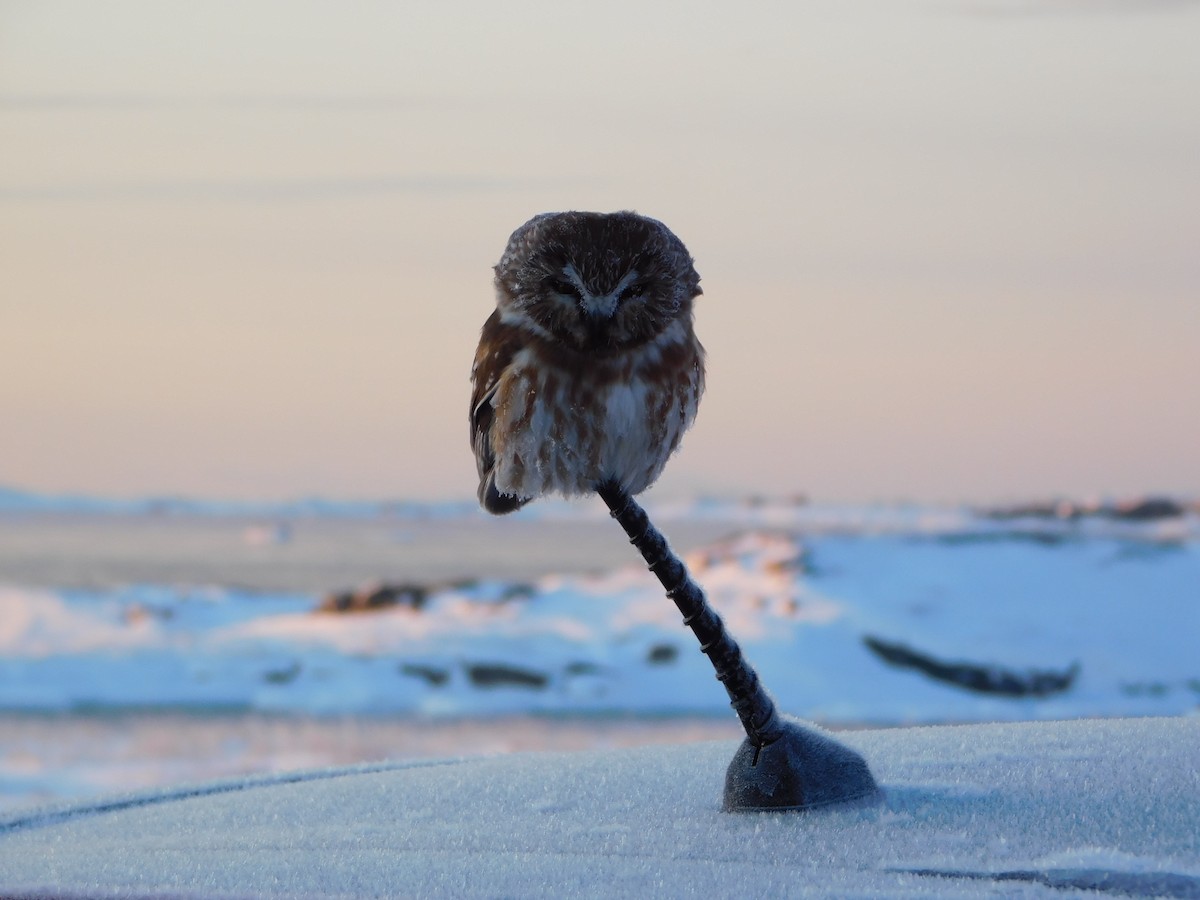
[{"x": 596, "y": 283}]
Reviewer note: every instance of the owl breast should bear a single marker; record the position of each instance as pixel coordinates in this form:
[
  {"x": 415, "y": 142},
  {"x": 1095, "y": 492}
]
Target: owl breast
[{"x": 564, "y": 427}]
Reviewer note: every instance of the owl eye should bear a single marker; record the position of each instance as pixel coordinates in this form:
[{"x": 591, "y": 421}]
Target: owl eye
[
  {"x": 566, "y": 288},
  {"x": 634, "y": 291}
]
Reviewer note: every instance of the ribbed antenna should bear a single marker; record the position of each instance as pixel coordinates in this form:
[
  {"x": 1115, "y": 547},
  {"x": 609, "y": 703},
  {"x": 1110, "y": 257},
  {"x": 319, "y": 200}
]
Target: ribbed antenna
[
  {"x": 781, "y": 765},
  {"x": 746, "y": 694}
]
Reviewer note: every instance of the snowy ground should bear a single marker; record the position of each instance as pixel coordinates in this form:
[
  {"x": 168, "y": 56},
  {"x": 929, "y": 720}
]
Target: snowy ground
[
  {"x": 1109, "y": 607},
  {"x": 1123, "y": 608}
]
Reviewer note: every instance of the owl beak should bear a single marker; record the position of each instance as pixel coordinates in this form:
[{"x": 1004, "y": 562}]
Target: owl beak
[
  {"x": 597, "y": 316},
  {"x": 599, "y": 309}
]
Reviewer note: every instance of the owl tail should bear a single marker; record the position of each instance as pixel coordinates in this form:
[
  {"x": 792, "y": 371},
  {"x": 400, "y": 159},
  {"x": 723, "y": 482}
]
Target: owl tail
[{"x": 496, "y": 503}]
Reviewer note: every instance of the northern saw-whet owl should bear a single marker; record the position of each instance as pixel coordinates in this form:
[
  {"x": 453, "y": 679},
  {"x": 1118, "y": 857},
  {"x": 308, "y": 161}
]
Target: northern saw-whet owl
[{"x": 588, "y": 371}]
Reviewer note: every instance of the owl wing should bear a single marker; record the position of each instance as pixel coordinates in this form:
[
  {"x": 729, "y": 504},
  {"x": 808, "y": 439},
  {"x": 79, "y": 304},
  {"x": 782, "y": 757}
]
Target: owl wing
[{"x": 498, "y": 344}]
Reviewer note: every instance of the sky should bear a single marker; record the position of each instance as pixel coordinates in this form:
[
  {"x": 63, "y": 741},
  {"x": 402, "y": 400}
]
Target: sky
[{"x": 949, "y": 248}]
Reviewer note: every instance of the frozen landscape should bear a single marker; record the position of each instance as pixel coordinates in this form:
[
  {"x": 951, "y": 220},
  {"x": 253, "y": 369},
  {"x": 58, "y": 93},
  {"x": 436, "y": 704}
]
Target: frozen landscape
[
  {"x": 266, "y": 647},
  {"x": 852, "y": 616},
  {"x": 812, "y": 610}
]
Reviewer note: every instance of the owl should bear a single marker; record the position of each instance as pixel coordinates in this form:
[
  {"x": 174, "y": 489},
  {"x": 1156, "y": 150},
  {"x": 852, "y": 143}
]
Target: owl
[{"x": 588, "y": 371}]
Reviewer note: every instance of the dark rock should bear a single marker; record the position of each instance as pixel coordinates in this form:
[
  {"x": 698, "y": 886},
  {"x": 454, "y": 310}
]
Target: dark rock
[
  {"x": 1148, "y": 509},
  {"x": 375, "y": 597},
  {"x": 282, "y": 676},
  {"x": 1041, "y": 538},
  {"x": 1141, "y": 509},
  {"x": 489, "y": 675},
  {"x": 431, "y": 675},
  {"x": 583, "y": 668},
  {"x": 662, "y": 654},
  {"x": 1059, "y": 510},
  {"x": 1145, "y": 689},
  {"x": 517, "y": 591},
  {"x": 974, "y": 677}
]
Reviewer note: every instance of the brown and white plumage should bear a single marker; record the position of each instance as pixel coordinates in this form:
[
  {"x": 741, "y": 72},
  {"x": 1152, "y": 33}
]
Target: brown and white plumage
[{"x": 588, "y": 370}]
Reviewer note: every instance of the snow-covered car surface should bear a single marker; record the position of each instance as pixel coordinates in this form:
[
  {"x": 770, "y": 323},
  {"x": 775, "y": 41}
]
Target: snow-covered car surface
[{"x": 1034, "y": 809}]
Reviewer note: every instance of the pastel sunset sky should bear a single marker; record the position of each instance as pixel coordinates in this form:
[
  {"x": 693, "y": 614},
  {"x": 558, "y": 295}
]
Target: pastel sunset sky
[{"x": 950, "y": 249}]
